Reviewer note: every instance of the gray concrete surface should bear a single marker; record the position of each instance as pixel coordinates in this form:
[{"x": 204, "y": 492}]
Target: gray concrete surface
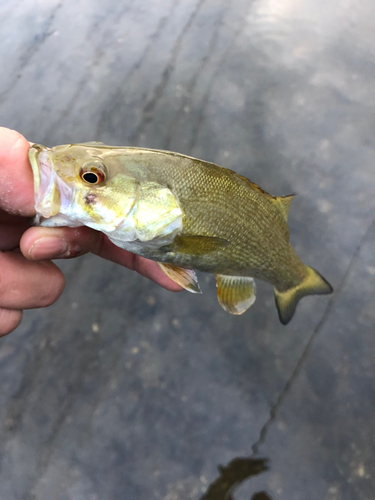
[{"x": 122, "y": 390}]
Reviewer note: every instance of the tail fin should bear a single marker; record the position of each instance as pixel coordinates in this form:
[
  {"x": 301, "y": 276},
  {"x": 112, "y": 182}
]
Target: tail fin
[{"x": 286, "y": 302}]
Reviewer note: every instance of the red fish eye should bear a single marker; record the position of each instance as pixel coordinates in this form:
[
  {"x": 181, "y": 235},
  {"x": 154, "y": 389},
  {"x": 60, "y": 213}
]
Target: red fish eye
[{"x": 93, "y": 176}]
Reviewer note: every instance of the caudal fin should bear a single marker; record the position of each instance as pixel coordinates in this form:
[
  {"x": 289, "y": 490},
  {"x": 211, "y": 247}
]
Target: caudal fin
[{"x": 286, "y": 302}]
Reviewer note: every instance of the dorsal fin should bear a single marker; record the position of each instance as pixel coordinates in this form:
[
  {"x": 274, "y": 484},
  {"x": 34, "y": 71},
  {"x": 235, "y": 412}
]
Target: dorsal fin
[
  {"x": 92, "y": 143},
  {"x": 284, "y": 203},
  {"x": 255, "y": 186}
]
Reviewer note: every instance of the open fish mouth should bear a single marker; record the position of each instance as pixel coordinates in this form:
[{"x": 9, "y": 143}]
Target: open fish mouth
[{"x": 52, "y": 195}]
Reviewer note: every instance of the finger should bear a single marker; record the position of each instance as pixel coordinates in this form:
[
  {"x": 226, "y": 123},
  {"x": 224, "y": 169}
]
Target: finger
[
  {"x": 9, "y": 320},
  {"x": 26, "y": 285},
  {"x": 143, "y": 266},
  {"x": 17, "y": 186},
  {"x": 39, "y": 243}
]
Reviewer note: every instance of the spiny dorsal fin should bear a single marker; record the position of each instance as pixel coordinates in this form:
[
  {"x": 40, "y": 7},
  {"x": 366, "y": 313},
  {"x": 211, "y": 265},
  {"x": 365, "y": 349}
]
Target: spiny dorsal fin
[
  {"x": 92, "y": 143},
  {"x": 183, "y": 277},
  {"x": 255, "y": 187},
  {"x": 284, "y": 203},
  {"x": 235, "y": 293}
]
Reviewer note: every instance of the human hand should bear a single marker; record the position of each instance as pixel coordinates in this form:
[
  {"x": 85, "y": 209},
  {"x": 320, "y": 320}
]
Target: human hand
[{"x": 28, "y": 278}]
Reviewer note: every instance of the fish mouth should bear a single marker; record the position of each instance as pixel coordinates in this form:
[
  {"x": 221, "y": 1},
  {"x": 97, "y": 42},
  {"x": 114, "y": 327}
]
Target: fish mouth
[{"x": 52, "y": 195}]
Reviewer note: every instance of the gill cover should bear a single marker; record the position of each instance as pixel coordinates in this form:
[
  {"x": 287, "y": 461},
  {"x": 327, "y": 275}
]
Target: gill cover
[{"x": 126, "y": 208}]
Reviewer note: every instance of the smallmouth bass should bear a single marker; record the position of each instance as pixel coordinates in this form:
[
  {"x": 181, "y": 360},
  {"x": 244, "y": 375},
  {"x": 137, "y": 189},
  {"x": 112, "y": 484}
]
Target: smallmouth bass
[{"x": 181, "y": 212}]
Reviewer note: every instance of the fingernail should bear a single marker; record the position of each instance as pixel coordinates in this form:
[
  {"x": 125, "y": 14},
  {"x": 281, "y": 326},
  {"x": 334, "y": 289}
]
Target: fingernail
[{"x": 48, "y": 247}]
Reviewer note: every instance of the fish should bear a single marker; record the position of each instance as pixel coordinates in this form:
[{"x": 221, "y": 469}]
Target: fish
[{"x": 184, "y": 213}]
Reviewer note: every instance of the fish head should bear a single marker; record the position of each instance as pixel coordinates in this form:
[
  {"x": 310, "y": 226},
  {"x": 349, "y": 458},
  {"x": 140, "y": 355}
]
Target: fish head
[
  {"x": 93, "y": 185},
  {"x": 74, "y": 181}
]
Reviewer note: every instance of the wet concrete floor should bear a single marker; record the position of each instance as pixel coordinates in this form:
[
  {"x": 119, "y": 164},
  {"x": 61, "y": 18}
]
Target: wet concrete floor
[{"x": 124, "y": 390}]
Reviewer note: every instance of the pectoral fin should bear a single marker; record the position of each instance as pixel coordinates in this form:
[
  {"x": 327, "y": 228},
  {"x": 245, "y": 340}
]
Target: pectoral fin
[
  {"x": 235, "y": 293},
  {"x": 196, "y": 245},
  {"x": 184, "y": 277}
]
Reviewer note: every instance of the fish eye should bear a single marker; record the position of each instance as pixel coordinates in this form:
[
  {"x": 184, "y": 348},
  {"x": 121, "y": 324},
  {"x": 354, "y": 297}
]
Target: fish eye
[
  {"x": 92, "y": 174},
  {"x": 90, "y": 177}
]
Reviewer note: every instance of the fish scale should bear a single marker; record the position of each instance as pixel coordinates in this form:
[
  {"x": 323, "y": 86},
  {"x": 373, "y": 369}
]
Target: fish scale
[
  {"x": 182, "y": 212},
  {"x": 227, "y": 216}
]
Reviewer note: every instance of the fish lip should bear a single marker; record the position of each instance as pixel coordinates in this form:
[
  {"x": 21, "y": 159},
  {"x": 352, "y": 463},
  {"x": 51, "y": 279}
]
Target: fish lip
[
  {"x": 34, "y": 151},
  {"x": 51, "y": 193}
]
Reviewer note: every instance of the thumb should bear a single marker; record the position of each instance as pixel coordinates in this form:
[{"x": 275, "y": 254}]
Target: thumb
[{"x": 17, "y": 185}]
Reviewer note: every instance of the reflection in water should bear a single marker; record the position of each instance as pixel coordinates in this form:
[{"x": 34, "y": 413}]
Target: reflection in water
[{"x": 231, "y": 476}]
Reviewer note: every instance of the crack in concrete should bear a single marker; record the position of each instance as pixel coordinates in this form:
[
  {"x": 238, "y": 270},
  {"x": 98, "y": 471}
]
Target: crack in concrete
[
  {"x": 211, "y": 84},
  {"x": 98, "y": 55},
  {"x": 39, "y": 40},
  {"x": 159, "y": 88},
  {"x": 189, "y": 90},
  {"x": 297, "y": 369},
  {"x": 137, "y": 65}
]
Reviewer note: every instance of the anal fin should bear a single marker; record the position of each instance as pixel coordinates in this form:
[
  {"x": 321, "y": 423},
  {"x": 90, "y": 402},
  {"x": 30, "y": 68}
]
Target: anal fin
[
  {"x": 186, "y": 278},
  {"x": 235, "y": 293}
]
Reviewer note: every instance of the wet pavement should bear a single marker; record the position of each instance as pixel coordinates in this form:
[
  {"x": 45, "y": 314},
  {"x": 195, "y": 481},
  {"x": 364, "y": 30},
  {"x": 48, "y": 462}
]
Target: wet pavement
[{"x": 124, "y": 390}]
